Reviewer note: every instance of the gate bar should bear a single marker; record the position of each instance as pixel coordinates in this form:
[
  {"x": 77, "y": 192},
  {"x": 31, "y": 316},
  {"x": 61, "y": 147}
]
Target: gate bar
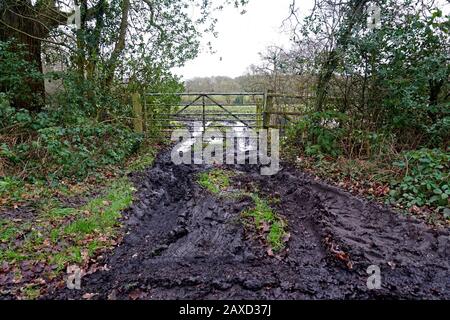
[
  {"x": 230, "y": 113},
  {"x": 206, "y": 94}
]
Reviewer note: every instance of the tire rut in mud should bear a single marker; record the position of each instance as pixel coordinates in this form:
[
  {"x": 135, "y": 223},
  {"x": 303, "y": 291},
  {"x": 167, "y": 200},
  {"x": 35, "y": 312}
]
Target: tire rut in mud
[{"x": 183, "y": 243}]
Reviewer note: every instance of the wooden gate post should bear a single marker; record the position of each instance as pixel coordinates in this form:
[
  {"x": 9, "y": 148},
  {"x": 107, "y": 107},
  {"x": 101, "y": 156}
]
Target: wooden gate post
[
  {"x": 259, "y": 112},
  {"x": 268, "y": 109},
  {"x": 138, "y": 120}
]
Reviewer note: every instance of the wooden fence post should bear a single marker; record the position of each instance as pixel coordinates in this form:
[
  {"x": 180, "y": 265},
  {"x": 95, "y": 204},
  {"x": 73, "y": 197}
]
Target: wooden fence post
[
  {"x": 268, "y": 109},
  {"x": 137, "y": 113},
  {"x": 259, "y": 112}
]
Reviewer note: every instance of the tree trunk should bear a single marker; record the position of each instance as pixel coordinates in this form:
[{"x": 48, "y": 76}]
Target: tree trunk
[
  {"x": 354, "y": 13},
  {"x": 28, "y": 33},
  {"x": 120, "y": 43},
  {"x": 435, "y": 91},
  {"x": 30, "y": 25}
]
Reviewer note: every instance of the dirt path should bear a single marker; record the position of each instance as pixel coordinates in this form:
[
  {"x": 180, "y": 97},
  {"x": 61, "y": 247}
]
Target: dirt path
[{"x": 183, "y": 243}]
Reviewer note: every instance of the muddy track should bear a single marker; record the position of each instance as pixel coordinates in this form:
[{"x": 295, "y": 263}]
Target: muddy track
[{"x": 183, "y": 243}]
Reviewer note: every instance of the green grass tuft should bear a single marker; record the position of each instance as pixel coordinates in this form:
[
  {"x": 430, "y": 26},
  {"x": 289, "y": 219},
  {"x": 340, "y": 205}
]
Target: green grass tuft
[
  {"x": 104, "y": 211},
  {"x": 265, "y": 217},
  {"x": 215, "y": 181}
]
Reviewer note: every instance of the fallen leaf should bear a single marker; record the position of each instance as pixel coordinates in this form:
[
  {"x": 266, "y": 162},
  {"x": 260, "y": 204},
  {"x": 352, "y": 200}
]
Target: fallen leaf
[
  {"x": 112, "y": 295},
  {"x": 4, "y": 267},
  {"x": 136, "y": 294},
  {"x": 265, "y": 227},
  {"x": 286, "y": 237},
  {"x": 89, "y": 296},
  {"x": 414, "y": 209},
  {"x": 85, "y": 254}
]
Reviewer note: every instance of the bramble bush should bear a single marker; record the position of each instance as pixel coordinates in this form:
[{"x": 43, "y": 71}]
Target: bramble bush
[
  {"x": 85, "y": 127},
  {"x": 16, "y": 73},
  {"x": 330, "y": 133},
  {"x": 426, "y": 180},
  {"x": 68, "y": 150},
  {"x": 318, "y": 133}
]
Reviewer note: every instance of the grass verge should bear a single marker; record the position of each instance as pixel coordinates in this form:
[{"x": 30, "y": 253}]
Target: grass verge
[
  {"x": 34, "y": 251},
  {"x": 62, "y": 236}
]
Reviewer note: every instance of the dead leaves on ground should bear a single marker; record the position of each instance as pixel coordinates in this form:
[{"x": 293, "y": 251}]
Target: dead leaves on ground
[{"x": 338, "y": 253}]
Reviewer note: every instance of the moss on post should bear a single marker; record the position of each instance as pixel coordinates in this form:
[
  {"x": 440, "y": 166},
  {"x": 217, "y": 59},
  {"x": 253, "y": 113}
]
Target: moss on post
[{"x": 138, "y": 113}]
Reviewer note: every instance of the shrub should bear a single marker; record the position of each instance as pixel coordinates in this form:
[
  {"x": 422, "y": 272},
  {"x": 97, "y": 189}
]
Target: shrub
[
  {"x": 16, "y": 73},
  {"x": 9, "y": 116},
  {"x": 76, "y": 151},
  {"x": 64, "y": 150},
  {"x": 10, "y": 186},
  {"x": 426, "y": 179},
  {"x": 318, "y": 133}
]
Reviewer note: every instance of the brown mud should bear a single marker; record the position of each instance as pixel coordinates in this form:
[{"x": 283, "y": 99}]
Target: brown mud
[{"x": 183, "y": 243}]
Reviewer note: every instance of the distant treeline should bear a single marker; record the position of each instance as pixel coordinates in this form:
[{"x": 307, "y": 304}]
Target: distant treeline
[{"x": 292, "y": 84}]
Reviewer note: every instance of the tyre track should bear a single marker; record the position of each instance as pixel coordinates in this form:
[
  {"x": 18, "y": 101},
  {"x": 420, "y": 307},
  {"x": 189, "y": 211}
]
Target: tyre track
[{"x": 182, "y": 243}]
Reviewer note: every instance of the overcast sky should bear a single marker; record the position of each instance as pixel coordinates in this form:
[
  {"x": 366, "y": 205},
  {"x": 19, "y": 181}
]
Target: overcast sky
[{"x": 242, "y": 37}]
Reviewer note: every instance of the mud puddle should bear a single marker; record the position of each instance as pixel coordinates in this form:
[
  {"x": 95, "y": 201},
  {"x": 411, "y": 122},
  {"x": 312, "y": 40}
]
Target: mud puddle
[{"x": 184, "y": 243}]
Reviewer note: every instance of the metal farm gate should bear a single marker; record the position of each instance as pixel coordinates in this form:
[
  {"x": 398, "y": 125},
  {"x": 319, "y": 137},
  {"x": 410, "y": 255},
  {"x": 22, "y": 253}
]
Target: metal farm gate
[
  {"x": 156, "y": 112},
  {"x": 210, "y": 110}
]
